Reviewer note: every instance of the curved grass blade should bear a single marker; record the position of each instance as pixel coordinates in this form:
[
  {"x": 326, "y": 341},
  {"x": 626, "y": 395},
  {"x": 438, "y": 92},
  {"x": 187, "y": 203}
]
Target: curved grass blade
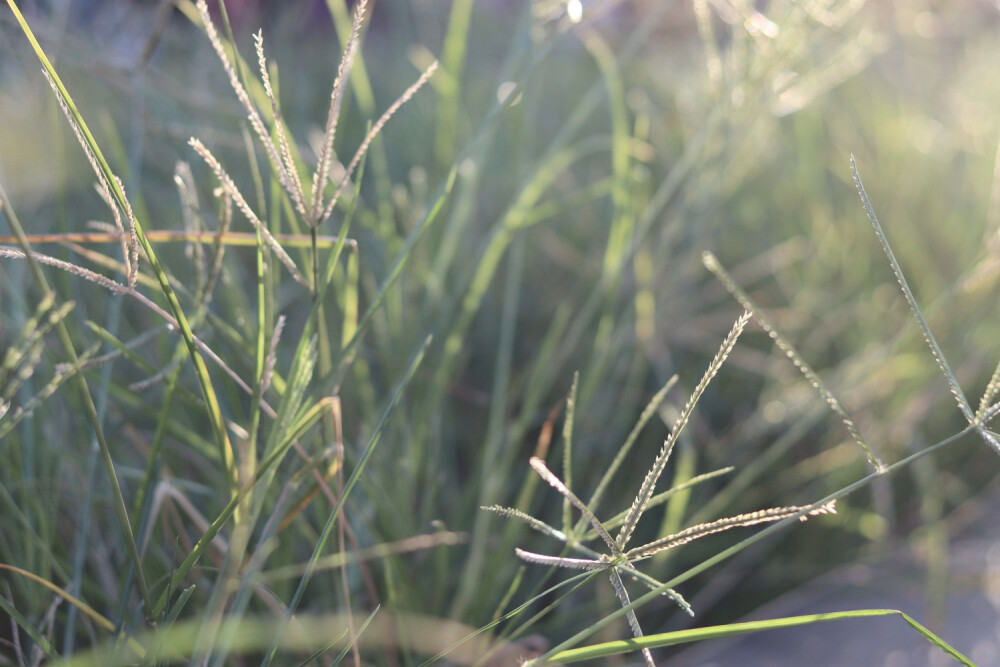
[
  {"x": 720, "y": 631},
  {"x": 753, "y": 539},
  {"x": 85, "y": 608}
]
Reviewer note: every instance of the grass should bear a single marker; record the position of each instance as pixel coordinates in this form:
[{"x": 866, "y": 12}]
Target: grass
[{"x": 400, "y": 294}]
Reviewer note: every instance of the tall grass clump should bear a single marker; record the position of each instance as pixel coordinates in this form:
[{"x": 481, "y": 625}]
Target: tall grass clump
[{"x": 288, "y": 388}]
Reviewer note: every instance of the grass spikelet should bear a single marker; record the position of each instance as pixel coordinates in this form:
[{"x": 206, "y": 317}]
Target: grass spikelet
[
  {"x": 244, "y": 98},
  {"x": 230, "y": 187},
  {"x": 559, "y": 561},
  {"x": 989, "y": 393},
  {"x": 728, "y": 523},
  {"x": 925, "y": 330},
  {"x": 540, "y": 526},
  {"x": 69, "y": 267},
  {"x": 649, "y": 483},
  {"x": 326, "y": 154},
  {"x": 373, "y": 132},
  {"x": 128, "y": 239},
  {"x": 633, "y": 622},
  {"x": 713, "y": 265},
  {"x": 292, "y": 174},
  {"x": 272, "y": 354},
  {"x": 539, "y": 466}
]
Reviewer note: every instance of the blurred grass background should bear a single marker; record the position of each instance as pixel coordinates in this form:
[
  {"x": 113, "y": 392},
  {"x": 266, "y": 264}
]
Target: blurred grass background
[{"x": 733, "y": 138}]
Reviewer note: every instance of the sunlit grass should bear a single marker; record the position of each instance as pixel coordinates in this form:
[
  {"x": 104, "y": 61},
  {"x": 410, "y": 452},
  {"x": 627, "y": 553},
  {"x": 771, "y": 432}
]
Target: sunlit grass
[{"x": 368, "y": 324}]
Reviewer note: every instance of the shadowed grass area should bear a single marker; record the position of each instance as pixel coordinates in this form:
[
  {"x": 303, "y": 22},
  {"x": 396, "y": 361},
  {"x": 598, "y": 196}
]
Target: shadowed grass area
[{"x": 401, "y": 291}]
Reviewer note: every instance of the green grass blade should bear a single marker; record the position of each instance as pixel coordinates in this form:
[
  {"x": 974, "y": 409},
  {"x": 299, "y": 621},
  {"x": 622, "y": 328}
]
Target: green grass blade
[
  {"x": 28, "y": 628},
  {"x": 753, "y": 539},
  {"x": 348, "y": 486},
  {"x": 579, "y": 580},
  {"x": 354, "y": 640},
  {"x": 121, "y": 512},
  {"x": 401, "y": 260},
  {"x": 201, "y": 370},
  {"x": 296, "y": 430},
  {"x": 450, "y": 86},
  {"x": 733, "y": 629},
  {"x": 567, "y": 516},
  {"x": 644, "y": 417}
]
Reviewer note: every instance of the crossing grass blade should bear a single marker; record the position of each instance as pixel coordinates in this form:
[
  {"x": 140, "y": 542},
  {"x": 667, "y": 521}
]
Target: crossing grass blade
[
  {"x": 753, "y": 539},
  {"x": 121, "y": 512},
  {"x": 201, "y": 370},
  {"x": 348, "y": 486}
]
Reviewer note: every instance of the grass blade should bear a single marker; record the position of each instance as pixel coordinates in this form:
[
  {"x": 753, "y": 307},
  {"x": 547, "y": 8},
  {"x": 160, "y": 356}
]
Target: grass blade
[
  {"x": 348, "y": 486},
  {"x": 31, "y": 630},
  {"x": 567, "y": 517},
  {"x": 733, "y": 629},
  {"x": 201, "y": 370},
  {"x": 644, "y": 417}
]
